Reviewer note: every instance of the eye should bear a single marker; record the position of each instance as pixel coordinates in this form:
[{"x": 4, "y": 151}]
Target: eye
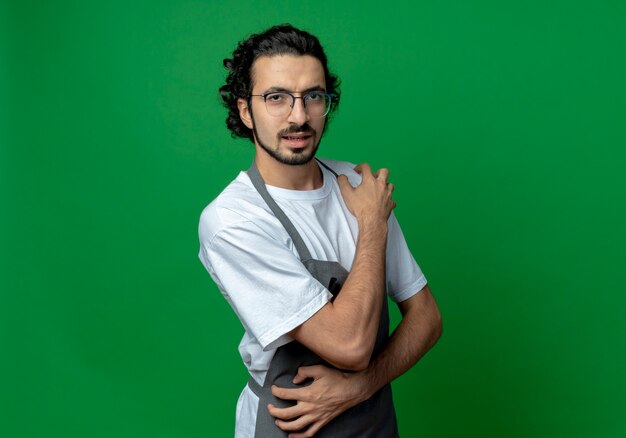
[
  {"x": 275, "y": 97},
  {"x": 315, "y": 96}
]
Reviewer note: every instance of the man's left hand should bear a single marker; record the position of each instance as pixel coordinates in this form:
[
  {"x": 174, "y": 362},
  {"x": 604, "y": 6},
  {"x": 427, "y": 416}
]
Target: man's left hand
[{"x": 331, "y": 393}]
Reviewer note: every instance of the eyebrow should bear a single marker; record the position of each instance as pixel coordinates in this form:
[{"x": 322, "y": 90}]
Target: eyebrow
[{"x": 307, "y": 90}]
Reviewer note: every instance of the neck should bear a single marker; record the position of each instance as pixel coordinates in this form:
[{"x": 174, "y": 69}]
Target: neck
[{"x": 293, "y": 177}]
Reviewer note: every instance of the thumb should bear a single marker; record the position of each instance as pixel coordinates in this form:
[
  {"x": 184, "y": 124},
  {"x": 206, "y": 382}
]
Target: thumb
[{"x": 306, "y": 373}]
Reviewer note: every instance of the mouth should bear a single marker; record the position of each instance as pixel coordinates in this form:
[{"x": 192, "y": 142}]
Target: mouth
[{"x": 297, "y": 139}]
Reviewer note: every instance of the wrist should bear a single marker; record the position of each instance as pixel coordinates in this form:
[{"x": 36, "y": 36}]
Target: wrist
[
  {"x": 374, "y": 223},
  {"x": 363, "y": 384}
]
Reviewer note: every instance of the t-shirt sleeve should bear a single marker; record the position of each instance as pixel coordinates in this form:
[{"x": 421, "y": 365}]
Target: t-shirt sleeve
[
  {"x": 404, "y": 276},
  {"x": 263, "y": 280}
]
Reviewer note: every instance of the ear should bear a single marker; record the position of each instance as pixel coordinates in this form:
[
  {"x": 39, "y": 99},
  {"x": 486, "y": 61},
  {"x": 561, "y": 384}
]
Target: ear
[{"x": 244, "y": 112}]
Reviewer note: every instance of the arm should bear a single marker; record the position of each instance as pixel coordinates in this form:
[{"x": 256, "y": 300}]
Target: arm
[
  {"x": 342, "y": 332},
  {"x": 418, "y": 331},
  {"x": 333, "y": 392}
]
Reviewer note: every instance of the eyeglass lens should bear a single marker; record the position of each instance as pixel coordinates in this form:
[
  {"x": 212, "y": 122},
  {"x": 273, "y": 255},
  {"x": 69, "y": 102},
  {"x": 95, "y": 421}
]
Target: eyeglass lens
[{"x": 280, "y": 103}]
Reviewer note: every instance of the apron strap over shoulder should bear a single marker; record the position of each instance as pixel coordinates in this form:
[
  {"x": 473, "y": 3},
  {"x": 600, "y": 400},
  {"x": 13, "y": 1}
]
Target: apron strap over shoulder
[
  {"x": 259, "y": 184},
  {"x": 326, "y": 166}
]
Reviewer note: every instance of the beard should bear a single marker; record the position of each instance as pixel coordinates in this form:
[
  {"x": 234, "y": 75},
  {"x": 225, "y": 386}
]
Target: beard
[{"x": 299, "y": 156}]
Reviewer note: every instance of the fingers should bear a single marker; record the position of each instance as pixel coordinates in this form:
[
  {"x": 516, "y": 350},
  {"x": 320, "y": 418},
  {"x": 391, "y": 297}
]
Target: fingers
[
  {"x": 382, "y": 173},
  {"x": 311, "y": 431},
  {"x": 371, "y": 198},
  {"x": 299, "y": 378},
  {"x": 285, "y": 413},
  {"x": 363, "y": 169},
  {"x": 304, "y": 373},
  {"x": 309, "y": 372},
  {"x": 343, "y": 182},
  {"x": 289, "y": 393},
  {"x": 295, "y": 425}
]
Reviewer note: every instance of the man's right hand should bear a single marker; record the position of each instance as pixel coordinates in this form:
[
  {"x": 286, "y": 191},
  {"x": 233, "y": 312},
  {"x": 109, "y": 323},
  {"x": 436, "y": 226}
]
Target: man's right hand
[{"x": 370, "y": 200}]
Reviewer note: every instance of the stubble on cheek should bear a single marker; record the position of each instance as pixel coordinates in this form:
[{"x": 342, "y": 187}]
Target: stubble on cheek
[{"x": 297, "y": 156}]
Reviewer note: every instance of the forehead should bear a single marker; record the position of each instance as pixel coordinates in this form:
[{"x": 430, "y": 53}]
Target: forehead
[{"x": 291, "y": 72}]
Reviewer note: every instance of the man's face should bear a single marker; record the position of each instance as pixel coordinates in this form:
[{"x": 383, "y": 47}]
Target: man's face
[{"x": 292, "y": 138}]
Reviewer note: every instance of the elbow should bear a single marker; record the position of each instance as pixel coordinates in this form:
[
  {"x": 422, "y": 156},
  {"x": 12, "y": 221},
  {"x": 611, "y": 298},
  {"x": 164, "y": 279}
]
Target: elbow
[
  {"x": 437, "y": 327},
  {"x": 354, "y": 355},
  {"x": 353, "y": 364},
  {"x": 357, "y": 364}
]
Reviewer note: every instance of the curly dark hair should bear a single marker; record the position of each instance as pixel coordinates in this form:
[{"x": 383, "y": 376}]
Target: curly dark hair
[{"x": 283, "y": 39}]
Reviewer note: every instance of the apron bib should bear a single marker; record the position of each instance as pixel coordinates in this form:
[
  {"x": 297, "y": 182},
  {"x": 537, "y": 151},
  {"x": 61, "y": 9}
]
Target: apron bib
[{"x": 373, "y": 418}]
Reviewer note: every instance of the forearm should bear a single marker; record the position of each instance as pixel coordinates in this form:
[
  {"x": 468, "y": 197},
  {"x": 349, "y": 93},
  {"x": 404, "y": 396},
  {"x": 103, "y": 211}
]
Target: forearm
[
  {"x": 418, "y": 331},
  {"x": 357, "y": 308},
  {"x": 345, "y": 329}
]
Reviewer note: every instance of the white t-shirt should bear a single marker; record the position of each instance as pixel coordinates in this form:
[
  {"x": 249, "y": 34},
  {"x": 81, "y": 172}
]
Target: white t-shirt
[{"x": 253, "y": 261}]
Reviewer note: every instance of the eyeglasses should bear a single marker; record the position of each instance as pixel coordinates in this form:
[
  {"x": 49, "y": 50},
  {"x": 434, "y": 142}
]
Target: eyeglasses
[{"x": 280, "y": 103}]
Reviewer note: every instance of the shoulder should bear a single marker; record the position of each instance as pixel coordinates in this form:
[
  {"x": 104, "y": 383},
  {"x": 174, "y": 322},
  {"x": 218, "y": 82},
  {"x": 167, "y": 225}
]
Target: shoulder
[
  {"x": 343, "y": 168},
  {"x": 237, "y": 205}
]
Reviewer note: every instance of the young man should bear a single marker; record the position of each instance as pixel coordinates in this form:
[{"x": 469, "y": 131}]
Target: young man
[{"x": 306, "y": 251}]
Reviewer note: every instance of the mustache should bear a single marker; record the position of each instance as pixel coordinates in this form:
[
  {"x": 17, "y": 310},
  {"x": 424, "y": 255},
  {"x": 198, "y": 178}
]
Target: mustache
[{"x": 292, "y": 129}]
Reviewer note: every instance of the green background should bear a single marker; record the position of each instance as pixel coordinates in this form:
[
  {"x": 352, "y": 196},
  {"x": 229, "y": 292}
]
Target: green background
[{"x": 503, "y": 125}]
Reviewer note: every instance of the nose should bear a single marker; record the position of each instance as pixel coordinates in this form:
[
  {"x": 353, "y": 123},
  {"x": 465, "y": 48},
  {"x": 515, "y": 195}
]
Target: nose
[{"x": 298, "y": 113}]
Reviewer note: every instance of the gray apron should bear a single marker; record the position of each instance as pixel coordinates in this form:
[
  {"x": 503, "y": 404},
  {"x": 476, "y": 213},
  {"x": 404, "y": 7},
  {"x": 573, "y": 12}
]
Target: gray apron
[{"x": 375, "y": 417}]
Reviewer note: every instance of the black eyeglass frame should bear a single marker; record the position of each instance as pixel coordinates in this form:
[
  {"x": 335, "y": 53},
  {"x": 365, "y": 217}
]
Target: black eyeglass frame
[{"x": 329, "y": 97}]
